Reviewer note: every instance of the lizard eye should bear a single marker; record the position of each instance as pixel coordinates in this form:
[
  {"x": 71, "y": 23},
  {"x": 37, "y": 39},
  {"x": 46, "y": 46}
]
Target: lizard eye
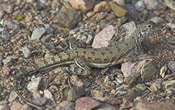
[{"x": 149, "y": 26}]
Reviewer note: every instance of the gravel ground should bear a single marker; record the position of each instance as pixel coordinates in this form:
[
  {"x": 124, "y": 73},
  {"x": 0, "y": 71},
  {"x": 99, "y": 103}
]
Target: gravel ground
[{"x": 35, "y": 30}]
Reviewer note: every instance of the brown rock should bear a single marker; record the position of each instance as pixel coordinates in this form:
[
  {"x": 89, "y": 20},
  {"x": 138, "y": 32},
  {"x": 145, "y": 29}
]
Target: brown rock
[
  {"x": 6, "y": 70},
  {"x": 143, "y": 68},
  {"x": 76, "y": 81},
  {"x": 86, "y": 103},
  {"x": 102, "y": 6},
  {"x": 96, "y": 93},
  {"x": 103, "y": 37},
  {"x": 84, "y": 5},
  {"x": 17, "y": 106},
  {"x": 119, "y": 11},
  {"x": 65, "y": 105},
  {"x": 155, "y": 106}
]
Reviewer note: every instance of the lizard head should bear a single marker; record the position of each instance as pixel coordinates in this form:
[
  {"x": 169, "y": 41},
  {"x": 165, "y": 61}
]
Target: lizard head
[{"x": 144, "y": 30}]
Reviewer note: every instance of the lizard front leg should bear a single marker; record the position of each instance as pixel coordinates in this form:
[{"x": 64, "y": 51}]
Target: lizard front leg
[{"x": 80, "y": 67}]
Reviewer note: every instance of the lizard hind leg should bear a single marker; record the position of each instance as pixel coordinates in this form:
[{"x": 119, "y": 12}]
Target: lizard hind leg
[{"x": 79, "y": 67}]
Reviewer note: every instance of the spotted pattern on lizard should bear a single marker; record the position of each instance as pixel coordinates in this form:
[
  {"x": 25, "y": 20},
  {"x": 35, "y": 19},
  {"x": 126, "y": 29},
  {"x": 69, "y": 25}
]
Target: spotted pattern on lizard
[{"x": 84, "y": 58}]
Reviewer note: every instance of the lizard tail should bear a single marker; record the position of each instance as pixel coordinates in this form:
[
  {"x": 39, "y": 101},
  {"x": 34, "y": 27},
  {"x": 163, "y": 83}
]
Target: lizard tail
[
  {"x": 22, "y": 75},
  {"x": 15, "y": 83}
]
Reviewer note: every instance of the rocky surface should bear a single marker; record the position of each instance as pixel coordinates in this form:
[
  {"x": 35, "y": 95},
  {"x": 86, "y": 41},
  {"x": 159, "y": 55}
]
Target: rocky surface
[{"x": 35, "y": 30}]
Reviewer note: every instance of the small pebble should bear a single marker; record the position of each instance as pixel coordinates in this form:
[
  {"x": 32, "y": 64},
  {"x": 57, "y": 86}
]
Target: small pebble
[
  {"x": 26, "y": 51},
  {"x": 119, "y": 11},
  {"x": 102, "y": 6},
  {"x": 86, "y": 103},
  {"x": 40, "y": 101},
  {"x": 8, "y": 59},
  {"x": 6, "y": 7},
  {"x": 37, "y": 33},
  {"x": 5, "y": 35},
  {"x": 75, "y": 92},
  {"x": 48, "y": 95},
  {"x": 76, "y": 81},
  {"x": 12, "y": 96},
  {"x": 33, "y": 84},
  {"x": 171, "y": 66},
  {"x": 140, "y": 5},
  {"x": 151, "y": 4},
  {"x": 84, "y": 5},
  {"x": 97, "y": 93},
  {"x": 56, "y": 4},
  {"x": 65, "y": 105}
]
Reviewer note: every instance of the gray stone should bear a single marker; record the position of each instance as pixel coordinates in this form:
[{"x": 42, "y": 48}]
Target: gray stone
[
  {"x": 171, "y": 66},
  {"x": 0, "y": 58},
  {"x": 48, "y": 95},
  {"x": 9, "y": 24},
  {"x": 1, "y": 14},
  {"x": 37, "y": 33},
  {"x": 151, "y": 4},
  {"x": 140, "y": 5},
  {"x": 56, "y": 4},
  {"x": 75, "y": 92},
  {"x": 132, "y": 12},
  {"x": 39, "y": 101},
  {"x": 6, "y": 7},
  {"x": 67, "y": 17},
  {"x": 8, "y": 59},
  {"x": 33, "y": 84},
  {"x": 5, "y": 35},
  {"x": 12, "y": 96},
  {"x": 42, "y": 1},
  {"x": 26, "y": 52}
]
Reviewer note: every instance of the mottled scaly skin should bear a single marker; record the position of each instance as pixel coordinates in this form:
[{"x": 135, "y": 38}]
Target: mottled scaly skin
[{"x": 104, "y": 57}]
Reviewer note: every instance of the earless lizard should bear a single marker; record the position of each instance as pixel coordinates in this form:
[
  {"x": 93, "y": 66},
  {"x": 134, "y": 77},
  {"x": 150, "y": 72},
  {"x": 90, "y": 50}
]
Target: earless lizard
[{"x": 85, "y": 58}]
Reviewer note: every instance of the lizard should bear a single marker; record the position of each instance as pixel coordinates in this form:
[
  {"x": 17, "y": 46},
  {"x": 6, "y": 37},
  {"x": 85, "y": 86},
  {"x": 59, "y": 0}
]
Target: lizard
[{"x": 85, "y": 58}]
